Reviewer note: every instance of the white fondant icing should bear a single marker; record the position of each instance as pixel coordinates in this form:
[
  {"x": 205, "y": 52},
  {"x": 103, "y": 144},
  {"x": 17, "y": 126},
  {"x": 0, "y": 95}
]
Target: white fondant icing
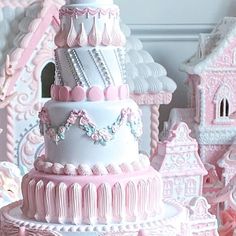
[
  {"x": 97, "y": 66},
  {"x": 79, "y": 149}
]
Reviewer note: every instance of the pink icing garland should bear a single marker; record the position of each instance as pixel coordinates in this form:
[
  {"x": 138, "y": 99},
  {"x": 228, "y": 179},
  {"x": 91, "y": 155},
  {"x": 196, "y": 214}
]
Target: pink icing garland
[
  {"x": 42, "y": 165},
  {"x": 77, "y": 94},
  {"x": 81, "y": 12}
]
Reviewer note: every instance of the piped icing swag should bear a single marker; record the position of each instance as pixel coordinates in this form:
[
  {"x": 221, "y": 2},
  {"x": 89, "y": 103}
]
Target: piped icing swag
[{"x": 84, "y": 122}]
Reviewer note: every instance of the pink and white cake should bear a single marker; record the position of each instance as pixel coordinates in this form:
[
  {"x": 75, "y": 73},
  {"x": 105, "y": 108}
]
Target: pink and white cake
[{"x": 92, "y": 178}]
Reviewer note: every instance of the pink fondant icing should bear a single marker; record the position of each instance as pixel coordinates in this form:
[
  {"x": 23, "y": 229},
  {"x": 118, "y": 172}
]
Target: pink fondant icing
[
  {"x": 111, "y": 93},
  {"x": 95, "y": 94},
  {"x": 78, "y": 94},
  {"x": 56, "y": 190},
  {"x": 64, "y": 93}
]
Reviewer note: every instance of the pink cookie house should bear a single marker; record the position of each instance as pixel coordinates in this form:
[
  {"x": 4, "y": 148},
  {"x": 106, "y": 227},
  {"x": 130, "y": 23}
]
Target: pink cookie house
[
  {"x": 26, "y": 57},
  {"x": 212, "y": 97},
  {"x": 211, "y": 115},
  {"x": 180, "y": 165},
  {"x": 27, "y": 72}
]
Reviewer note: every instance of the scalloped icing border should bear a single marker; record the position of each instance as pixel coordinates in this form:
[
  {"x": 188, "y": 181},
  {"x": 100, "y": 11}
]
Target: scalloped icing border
[{"x": 42, "y": 165}]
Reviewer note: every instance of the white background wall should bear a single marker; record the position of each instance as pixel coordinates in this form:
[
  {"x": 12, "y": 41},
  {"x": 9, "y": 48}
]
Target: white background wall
[{"x": 169, "y": 31}]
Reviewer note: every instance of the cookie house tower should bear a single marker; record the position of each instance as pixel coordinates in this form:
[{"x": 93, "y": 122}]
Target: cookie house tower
[
  {"x": 211, "y": 82},
  {"x": 92, "y": 172}
]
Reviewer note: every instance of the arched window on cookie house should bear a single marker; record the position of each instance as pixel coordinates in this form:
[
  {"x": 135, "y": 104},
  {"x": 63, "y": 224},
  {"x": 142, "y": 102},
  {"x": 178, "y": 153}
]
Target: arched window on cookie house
[
  {"x": 223, "y": 104},
  {"x": 47, "y": 79}
]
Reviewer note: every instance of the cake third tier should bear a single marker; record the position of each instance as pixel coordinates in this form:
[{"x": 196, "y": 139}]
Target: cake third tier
[{"x": 91, "y": 133}]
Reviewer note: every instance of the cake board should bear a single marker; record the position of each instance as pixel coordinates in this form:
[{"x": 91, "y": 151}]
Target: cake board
[{"x": 170, "y": 223}]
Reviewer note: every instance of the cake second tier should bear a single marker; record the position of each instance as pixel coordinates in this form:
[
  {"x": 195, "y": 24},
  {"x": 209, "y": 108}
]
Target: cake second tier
[{"x": 91, "y": 133}]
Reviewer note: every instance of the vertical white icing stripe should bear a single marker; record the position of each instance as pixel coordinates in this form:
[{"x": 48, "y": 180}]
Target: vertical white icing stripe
[
  {"x": 61, "y": 202},
  {"x": 104, "y": 203},
  {"x": 90, "y": 204},
  {"x": 39, "y": 200},
  {"x": 24, "y": 187},
  {"x": 31, "y": 198},
  {"x": 50, "y": 198},
  {"x": 142, "y": 199},
  {"x": 75, "y": 201},
  {"x": 131, "y": 201},
  {"x": 118, "y": 202}
]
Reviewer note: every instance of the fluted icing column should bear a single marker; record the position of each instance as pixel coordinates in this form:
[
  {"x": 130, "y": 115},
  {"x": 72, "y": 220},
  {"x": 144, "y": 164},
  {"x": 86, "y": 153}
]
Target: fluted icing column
[
  {"x": 50, "y": 206},
  {"x": 104, "y": 203},
  {"x": 118, "y": 202},
  {"x": 10, "y": 133},
  {"x": 131, "y": 201},
  {"x": 90, "y": 204},
  {"x": 154, "y": 128}
]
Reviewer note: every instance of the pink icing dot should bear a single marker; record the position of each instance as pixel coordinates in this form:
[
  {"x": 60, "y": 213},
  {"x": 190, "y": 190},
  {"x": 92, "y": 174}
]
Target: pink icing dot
[
  {"x": 95, "y": 94},
  {"x": 55, "y": 92},
  {"x": 111, "y": 93},
  {"x": 124, "y": 91},
  {"x": 78, "y": 94},
  {"x": 64, "y": 93}
]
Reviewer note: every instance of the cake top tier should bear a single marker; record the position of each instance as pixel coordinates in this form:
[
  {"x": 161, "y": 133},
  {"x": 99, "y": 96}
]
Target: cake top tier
[{"x": 71, "y": 2}]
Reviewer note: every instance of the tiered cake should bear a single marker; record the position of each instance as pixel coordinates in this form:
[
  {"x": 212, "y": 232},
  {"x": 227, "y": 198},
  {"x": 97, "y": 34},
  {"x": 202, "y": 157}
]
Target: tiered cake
[
  {"x": 92, "y": 177},
  {"x": 92, "y": 172}
]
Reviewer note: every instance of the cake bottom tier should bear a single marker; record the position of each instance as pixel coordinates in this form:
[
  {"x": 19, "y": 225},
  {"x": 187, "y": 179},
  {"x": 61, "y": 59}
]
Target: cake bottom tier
[
  {"x": 130, "y": 197},
  {"x": 169, "y": 224}
]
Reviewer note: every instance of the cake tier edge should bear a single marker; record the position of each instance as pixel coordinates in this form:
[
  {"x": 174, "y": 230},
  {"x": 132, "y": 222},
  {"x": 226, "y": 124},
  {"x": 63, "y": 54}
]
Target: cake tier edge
[
  {"x": 131, "y": 197},
  {"x": 169, "y": 224}
]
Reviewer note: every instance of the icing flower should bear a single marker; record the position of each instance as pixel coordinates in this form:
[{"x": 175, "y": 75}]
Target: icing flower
[
  {"x": 61, "y": 130},
  {"x": 72, "y": 118},
  {"x": 84, "y": 120},
  {"x": 114, "y": 128},
  {"x": 105, "y": 134},
  {"x": 51, "y": 132},
  {"x": 95, "y": 136},
  {"x": 43, "y": 116}
]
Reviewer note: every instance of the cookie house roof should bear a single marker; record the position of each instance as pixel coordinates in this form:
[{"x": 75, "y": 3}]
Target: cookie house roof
[{"x": 211, "y": 46}]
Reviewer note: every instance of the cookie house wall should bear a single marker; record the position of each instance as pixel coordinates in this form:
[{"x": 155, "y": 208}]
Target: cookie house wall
[{"x": 169, "y": 30}]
